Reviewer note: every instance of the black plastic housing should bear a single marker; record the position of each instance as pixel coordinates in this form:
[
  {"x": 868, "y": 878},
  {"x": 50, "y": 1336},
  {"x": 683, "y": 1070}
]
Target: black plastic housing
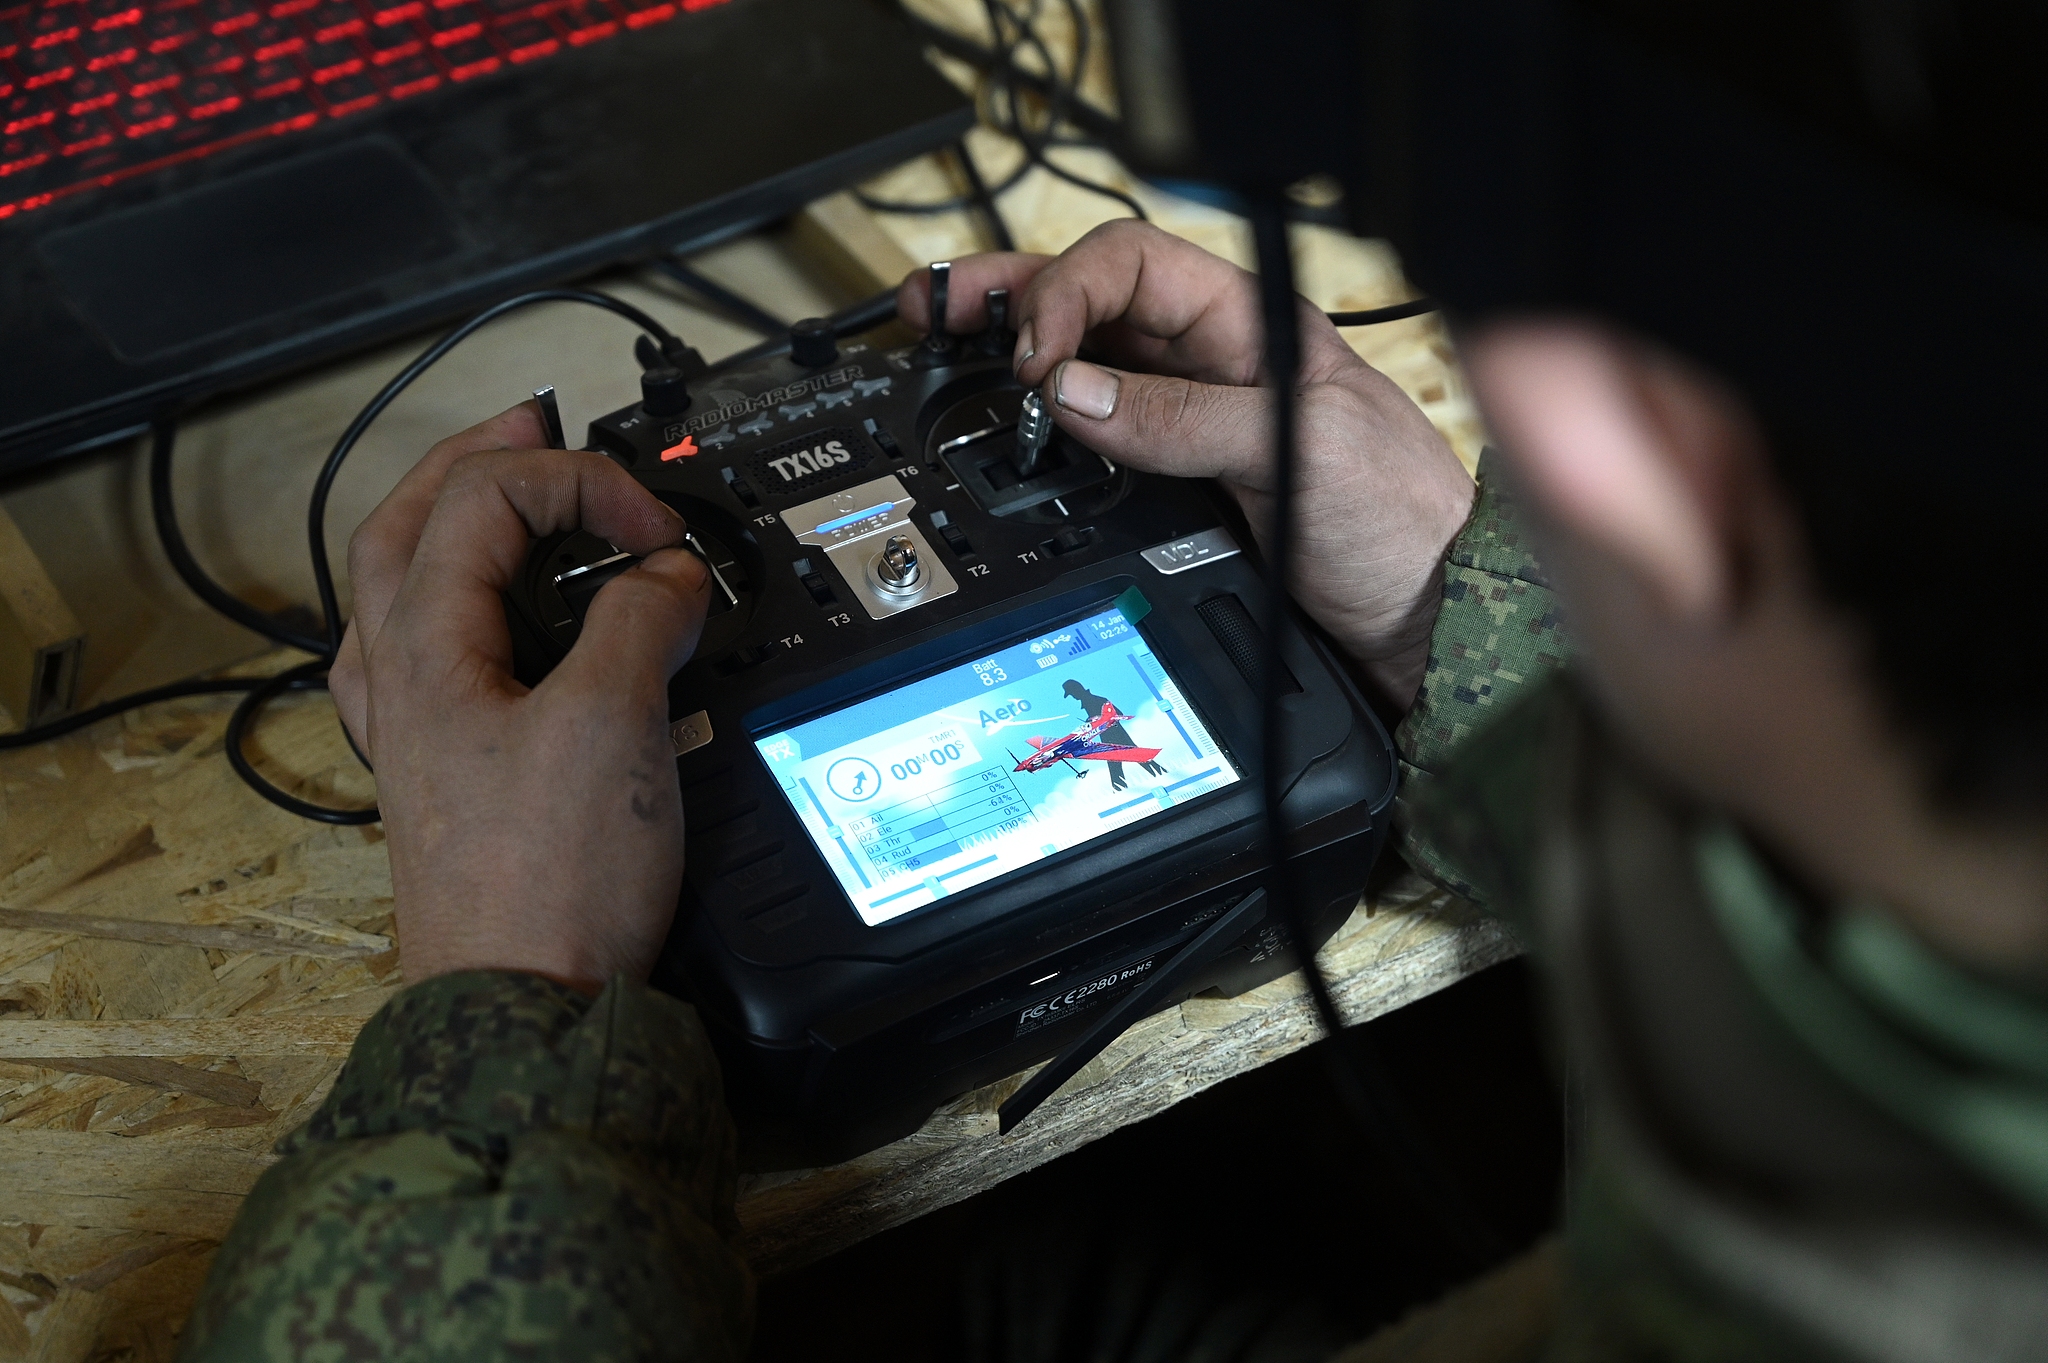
[{"x": 837, "y": 1036}]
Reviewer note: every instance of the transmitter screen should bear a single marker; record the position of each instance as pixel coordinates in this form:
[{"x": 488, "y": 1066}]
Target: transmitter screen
[{"x": 994, "y": 765}]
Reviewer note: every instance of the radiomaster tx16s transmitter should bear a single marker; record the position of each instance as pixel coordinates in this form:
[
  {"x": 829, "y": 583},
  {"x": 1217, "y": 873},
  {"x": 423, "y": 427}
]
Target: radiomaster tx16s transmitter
[{"x": 968, "y": 749}]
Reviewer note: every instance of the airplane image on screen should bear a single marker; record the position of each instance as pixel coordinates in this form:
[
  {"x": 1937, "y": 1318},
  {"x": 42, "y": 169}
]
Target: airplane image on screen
[{"x": 1084, "y": 744}]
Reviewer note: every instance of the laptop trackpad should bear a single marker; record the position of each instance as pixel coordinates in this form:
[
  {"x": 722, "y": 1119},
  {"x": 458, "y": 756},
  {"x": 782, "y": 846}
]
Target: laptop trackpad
[{"x": 163, "y": 276}]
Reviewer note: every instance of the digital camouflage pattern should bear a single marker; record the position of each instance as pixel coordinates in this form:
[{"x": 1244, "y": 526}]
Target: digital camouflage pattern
[
  {"x": 504, "y": 1169},
  {"x": 1497, "y": 636}
]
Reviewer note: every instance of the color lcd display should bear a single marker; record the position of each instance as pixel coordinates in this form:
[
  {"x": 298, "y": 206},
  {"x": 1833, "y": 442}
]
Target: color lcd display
[{"x": 986, "y": 768}]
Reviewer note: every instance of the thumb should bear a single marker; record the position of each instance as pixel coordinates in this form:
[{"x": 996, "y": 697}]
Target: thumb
[
  {"x": 1163, "y": 424},
  {"x": 641, "y": 627}
]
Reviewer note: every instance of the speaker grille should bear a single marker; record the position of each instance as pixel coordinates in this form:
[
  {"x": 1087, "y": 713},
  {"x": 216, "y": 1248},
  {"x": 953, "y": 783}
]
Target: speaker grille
[{"x": 1242, "y": 641}]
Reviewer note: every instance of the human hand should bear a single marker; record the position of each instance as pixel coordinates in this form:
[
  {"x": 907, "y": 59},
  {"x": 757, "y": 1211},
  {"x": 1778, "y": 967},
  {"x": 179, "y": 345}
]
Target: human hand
[
  {"x": 535, "y": 830},
  {"x": 1380, "y": 494}
]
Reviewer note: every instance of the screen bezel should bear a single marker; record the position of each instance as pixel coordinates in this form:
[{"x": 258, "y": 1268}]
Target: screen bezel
[{"x": 1019, "y": 626}]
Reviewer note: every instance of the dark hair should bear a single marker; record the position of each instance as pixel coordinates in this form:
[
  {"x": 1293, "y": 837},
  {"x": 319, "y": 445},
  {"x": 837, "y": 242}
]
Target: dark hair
[{"x": 1937, "y": 564}]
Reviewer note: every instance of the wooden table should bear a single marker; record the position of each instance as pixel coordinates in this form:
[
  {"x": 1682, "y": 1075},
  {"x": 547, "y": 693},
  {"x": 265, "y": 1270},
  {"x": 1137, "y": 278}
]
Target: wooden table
[{"x": 182, "y": 966}]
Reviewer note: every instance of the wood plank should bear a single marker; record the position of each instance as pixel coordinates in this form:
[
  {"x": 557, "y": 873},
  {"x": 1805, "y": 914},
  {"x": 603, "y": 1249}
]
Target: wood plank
[
  {"x": 181, "y": 1185},
  {"x": 249, "y": 1035},
  {"x": 184, "y": 934},
  {"x": 844, "y": 241}
]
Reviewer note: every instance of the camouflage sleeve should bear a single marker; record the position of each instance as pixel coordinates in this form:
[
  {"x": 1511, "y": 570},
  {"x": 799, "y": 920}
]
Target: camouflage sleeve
[
  {"x": 1497, "y": 637},
  {"x": 505, "y": 1168}
]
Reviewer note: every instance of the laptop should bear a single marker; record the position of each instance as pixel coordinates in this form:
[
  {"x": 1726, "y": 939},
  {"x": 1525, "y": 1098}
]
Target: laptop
[{"x": 198, "y": 194}]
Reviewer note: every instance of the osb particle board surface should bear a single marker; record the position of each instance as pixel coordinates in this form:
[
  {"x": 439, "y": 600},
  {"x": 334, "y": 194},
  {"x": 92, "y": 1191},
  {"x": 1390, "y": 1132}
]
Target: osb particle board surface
[{"x": 183, "y": 967}]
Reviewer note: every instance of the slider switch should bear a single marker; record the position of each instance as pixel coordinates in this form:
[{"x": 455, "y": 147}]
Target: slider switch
[
  {"x": 880, "y": 435},
  {"x": 815, "y": 583},
  {"x": 741, "y": 488},
  {"x": 956, "y": 538}
]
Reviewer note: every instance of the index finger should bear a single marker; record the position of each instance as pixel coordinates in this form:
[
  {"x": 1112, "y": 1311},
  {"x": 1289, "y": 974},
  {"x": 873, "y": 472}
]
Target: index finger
[
  {"x": 1160, "y": 304},
  {"x": 448, "y": 615},
  {"x": 382, "y": 547}
]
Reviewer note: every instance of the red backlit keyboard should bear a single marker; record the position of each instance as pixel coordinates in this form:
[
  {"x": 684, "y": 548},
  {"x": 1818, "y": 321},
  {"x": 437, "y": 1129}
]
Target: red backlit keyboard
[{"x": 95, "y": 91}]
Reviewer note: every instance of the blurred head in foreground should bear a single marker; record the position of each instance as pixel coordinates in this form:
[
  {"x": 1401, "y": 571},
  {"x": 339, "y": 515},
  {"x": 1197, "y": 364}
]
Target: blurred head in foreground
[{"x": 1830, "y": 639}]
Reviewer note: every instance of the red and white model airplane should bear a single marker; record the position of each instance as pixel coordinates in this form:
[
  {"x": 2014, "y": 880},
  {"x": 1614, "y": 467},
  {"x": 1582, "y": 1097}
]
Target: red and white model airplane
[{"x": 1082, "y": 744}]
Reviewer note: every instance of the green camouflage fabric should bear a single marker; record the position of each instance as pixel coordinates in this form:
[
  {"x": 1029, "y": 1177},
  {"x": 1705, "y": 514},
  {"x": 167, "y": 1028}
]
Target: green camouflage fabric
[
  {"x": 505, "y": 1169},
  {"x": 1497, "y": 636}
]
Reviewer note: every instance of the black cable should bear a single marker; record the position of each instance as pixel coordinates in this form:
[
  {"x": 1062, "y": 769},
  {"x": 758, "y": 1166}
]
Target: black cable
[
  {"x": 57, "y": 728},
  {"x": 741, "y": 309},
  {"x": 163, "y": 441},
  {"x": 1359, "y": 1080},
  {"x": 955, "y": 204},
  {"x": 984, "y": 199},
  {"x": 305, "y": 676},
  {"x": 1097, "y": 124},
  {"x": 1414, "y": 307},
  {"x": 1062, "y": 94}
]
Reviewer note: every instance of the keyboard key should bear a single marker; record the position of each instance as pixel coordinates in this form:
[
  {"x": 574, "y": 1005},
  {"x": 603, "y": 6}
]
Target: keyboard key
[
  {"x": 210, "y": 97},
  {"x": 526, "y": 39},
  {"x": 211, "y": 56},
  {"x": 20, "y": 153},
  {"x": 149, "y": 75},
  {"x": 268, "y": 80},
  {"x": 290, "y": 111},
  {"x": 274, "y": 38},
  {"x": 22, "y": 112},
  {"x": 334, "y": 20},
  {"x": 413, "y": 76},
  {"x": 456, "y": 24},
  {"x": 90, "y": 92},
  {"x": 48, "y": 27},
  {"x": 112, "y": 14},
  {"x": 113, "y": 47},
  {"x": 350, "y": 94},
  {"x": 150, "y": 114},
  {"x": 392, "y": 44},
  {"x": 284, "y": 9},
  {"x": 473, "y": 58},
  {"x": 645, "y": 14},
  {"x": 332, "y": 61},
  {"x": 223, "y": 17},
  {"x": 170, "y": 30},
  {"x": 587, "y": 21},
  {"x": 87, "y": 132},
  {"x": 390, "y": 12},
  {"x": 45, "y": 67}
]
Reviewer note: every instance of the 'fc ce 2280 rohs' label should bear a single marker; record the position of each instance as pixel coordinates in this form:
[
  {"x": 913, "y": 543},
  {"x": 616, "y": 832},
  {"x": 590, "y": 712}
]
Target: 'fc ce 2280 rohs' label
[{"x": 1103, "y": 986}]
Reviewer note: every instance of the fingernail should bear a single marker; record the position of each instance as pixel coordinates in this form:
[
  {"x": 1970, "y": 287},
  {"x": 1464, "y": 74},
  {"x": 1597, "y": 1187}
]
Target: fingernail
[
  {"x": 1087, "y": 389},
  {"x": 1026, "y": 348}
]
